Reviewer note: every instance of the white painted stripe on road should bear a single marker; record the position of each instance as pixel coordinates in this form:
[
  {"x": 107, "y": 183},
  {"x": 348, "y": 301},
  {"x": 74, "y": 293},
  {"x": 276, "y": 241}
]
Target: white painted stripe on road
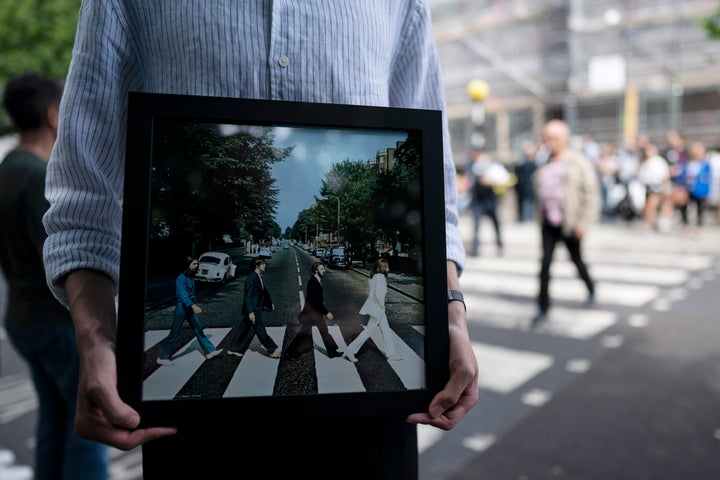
[
  {"x": 536, "y": 397},
  {"x": 334, "y": 375},
  {"x": 581, "y": 323},
  {"x": 599, "y": 272},
  {"x": 168, "y": 380},
  {"x": 575, "y": 323},
  {"x": 625, "y": 294},
  {"x": 125, "y": 465},
  {"x": 154, "y": 337},
  {"x": 428, "y": 436},
  {"x": 479, "y": 442},
  {"x": 17, "y": 397},
  {"x": 503, "y": 370},
  {"x": 411, "y": 369},
  {"x": 256, "y": 373}
]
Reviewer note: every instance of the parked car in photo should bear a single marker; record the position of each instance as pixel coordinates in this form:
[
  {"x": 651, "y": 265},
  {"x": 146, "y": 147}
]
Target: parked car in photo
[
  {"x": 215, "y": 267},
  {"x": 265, "y": 252}
]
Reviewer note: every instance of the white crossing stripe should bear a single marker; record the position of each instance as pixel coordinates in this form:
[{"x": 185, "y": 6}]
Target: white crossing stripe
[
  {"x": 503, "y": 370},
  {"x": 652, "y": 275},
  {"x": 411, "y": 369},
  {"x": 166, "y": 381},
  {"x": 334, "y": 375},
  {"x": 625, "y": 294},
  {"x": 255, "y": 375},
  {"x": 562, "y": 321},
  {"x": 17, "y": 397}
]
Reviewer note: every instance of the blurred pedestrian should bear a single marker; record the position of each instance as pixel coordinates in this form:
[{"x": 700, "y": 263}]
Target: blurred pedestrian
[
  {"x": 524, "y": 170},
  {"x": 39, "y": 327},
  {"x": 696, "y": 176},
  {"x": 654, "y": 174},
  {"x": 484, "y": 175},
  {"x": 568, "y": 201}
]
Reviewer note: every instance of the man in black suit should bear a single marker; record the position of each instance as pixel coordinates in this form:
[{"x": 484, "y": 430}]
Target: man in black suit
[
  {"x": 257, "y": 299},
  {"x": 314, "y": 312}
]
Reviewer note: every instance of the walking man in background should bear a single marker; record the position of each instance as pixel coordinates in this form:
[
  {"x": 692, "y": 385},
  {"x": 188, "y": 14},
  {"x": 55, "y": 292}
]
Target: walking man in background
[
  {"x": 568, "y": 201},
  {"x": 39, "y": 327}
]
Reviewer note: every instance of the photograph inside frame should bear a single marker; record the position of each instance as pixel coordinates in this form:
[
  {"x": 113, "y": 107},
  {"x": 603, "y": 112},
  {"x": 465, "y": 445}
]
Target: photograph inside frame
[{"x": 283, "y": 260}]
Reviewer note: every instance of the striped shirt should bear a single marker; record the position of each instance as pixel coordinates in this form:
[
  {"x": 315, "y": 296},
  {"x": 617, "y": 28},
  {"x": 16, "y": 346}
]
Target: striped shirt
[{"x": 369, "y": 52}]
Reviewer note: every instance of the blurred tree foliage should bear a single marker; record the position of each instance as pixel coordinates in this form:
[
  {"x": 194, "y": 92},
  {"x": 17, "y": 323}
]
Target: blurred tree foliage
[
  {"x": 712, "y": 25},
  {"x": 35, "y": 35}
]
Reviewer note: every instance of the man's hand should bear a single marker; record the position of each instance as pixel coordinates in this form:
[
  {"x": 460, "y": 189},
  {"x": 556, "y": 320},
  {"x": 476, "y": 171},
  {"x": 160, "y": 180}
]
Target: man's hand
[
  {"x": 461, "y": 392},
  {"x": 329, "y": 316},
  {"x": 252, "y": 317},
  {"x": 101, "y": 414},
  {"x": 196, "y": 309}
]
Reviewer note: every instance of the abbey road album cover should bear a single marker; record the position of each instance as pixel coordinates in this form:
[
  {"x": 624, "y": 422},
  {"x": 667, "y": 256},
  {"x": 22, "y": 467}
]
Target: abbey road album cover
[{"x": 280, "y": 258}]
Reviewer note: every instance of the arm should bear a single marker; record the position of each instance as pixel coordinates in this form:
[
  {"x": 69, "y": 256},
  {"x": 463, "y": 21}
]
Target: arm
[
  {"x": 82, "y": 253},
  {"x": 101, "y": 413},
  {"x": 417, "y": 83},
  {"x": 461, "y": 392}
]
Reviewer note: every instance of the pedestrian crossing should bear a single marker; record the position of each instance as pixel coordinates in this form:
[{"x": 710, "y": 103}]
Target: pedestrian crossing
[
  {"x": 520, "y": 369},
  {"x": 256, "y": 374}
]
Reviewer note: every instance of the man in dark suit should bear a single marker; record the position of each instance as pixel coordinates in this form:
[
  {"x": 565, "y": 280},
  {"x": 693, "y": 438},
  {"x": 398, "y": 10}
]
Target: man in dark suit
[
  {"x": 257, "y": 299},
  {"x": 314, "y": 313}
]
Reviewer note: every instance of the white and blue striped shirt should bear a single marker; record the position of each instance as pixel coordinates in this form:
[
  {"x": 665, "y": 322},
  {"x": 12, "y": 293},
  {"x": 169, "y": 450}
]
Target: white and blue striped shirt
[{"x": 369, "y": 52}]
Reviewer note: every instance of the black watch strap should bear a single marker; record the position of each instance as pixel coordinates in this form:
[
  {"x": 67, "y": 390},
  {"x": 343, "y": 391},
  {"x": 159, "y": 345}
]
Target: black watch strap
[{"x": 456, "y": 296}]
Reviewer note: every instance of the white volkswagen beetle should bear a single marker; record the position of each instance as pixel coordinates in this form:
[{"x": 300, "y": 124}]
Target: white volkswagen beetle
[{"x": 215, "y": 267}]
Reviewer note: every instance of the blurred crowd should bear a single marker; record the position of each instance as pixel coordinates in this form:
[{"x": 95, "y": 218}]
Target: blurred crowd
[{"x": 667, "y": 186}]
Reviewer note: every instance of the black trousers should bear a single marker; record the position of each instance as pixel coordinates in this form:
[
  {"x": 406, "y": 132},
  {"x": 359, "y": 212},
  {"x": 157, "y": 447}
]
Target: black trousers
[
  {"x": 551, "y": 235},
  {"x": 303, "y": 342}
]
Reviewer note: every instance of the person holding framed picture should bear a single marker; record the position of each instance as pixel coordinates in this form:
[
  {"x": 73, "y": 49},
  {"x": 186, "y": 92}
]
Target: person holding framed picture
[{"x": 251, "y": 49}]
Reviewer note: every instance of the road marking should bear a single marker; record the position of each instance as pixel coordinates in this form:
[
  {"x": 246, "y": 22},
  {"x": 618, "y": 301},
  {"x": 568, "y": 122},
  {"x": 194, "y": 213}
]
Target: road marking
[
  {"x": 256, "y": 373},
  {"x": 568, "y": 322},
  {"x": 537, "y": 397},
  {"x": 334, "y": 375},
  {"x": 428, "y": 436},
  {"x": 600, "y": 272},
  {"x": 626, "y": 294},
  {"x": 503, "y": 370},
  {"x": 17, "y": 397},
  {"x": 165, "y": 382},
  {"x": 479, "y": 442}
]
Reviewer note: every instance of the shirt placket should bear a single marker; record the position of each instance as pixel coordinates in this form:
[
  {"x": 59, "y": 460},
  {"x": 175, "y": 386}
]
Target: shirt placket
[{"x": 279, "y": 58}]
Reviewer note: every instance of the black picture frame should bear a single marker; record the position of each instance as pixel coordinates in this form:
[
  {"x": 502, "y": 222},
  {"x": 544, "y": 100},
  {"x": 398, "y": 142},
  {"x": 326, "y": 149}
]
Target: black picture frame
[{"x": 193, "y": 171}]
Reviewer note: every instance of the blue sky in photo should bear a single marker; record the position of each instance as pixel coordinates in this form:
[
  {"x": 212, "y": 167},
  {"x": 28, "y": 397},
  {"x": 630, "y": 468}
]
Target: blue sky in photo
[{"x": 316, "y": 150}]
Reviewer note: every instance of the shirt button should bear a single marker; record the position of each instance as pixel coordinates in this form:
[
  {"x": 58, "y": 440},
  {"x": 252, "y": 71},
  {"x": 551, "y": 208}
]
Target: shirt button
[{"x": 283, "y": 61}]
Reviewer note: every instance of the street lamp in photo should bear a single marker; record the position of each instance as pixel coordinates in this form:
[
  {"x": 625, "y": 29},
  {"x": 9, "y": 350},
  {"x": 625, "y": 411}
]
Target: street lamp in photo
[{"x": 328, "y": 197}]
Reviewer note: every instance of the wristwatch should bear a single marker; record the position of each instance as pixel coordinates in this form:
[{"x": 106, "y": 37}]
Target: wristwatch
[{"x": 456, "y": 296}]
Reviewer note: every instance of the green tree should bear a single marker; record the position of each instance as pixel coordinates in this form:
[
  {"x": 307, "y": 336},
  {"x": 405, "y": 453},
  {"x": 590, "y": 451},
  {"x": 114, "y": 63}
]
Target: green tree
[
  {"x": 711, "y": 25},
  {"x": 35, "y": 35}
]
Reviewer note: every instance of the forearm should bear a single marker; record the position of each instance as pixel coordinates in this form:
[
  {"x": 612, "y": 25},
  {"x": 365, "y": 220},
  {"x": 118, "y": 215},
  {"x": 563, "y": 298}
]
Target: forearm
[
  {"x": 458, "y": 321},
  {"x": 92, "y": 307}
]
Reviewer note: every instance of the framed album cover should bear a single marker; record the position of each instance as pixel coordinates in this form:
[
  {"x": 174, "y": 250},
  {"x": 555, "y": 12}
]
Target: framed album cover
[{"x": 280, "y": 259}]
